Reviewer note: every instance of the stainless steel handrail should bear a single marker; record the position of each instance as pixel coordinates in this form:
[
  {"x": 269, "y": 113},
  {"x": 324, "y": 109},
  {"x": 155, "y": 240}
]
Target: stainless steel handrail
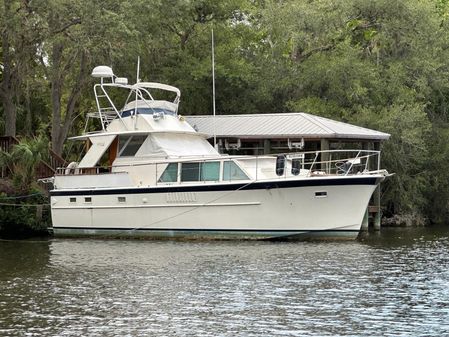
[{"x": 314, "y": 166}]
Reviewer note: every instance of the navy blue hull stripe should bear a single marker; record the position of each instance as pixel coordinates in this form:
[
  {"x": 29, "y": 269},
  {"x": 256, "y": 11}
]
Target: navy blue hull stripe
[
  {"x": 208, "y": 230},
  {"x": 223, "y": 187}
]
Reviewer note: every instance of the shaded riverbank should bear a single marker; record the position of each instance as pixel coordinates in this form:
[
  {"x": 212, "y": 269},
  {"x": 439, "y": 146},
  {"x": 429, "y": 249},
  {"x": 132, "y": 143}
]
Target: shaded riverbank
[{"x": 24, "y": 215}]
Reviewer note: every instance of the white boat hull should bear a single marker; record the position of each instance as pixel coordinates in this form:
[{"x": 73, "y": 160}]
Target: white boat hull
[{"x": 314, "y": 207}]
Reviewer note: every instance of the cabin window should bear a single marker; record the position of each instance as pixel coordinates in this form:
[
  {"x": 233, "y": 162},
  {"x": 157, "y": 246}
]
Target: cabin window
[
  {"x": 121, "y": 199},
  {"x": 170, "y": 174},
  {"x": 206, "y": 171},
  {"x": 210, "y": 171},
  {"x": 122, "y": 141},
  {"x": 190, "y": 172},
  {"x": 72, "y": 199},
  {"x": 232, "y": 172},
  {"x": 128, "y": 146},
  {"x": 87, "y": 199}
]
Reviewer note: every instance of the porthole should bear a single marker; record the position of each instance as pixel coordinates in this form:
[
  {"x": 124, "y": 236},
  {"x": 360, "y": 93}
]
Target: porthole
[
  {"x": 87, "y": 199},
  {"x": 72, "y": 199}
]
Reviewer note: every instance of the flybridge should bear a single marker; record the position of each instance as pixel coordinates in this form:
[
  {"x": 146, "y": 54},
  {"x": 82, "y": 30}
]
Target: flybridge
[{"x": 141, "y": 99}]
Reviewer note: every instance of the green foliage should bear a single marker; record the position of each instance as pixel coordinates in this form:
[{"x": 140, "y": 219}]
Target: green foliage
[
  {"x": 437, "y": 189},
  {"x": 406, "y": 154},
  {"x": 23, "y": 160},
  {"x": 22, "y": 217}
]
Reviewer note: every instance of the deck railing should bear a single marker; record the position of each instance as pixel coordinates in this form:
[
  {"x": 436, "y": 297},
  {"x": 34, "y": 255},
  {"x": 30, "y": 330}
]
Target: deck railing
[
  {"x": 55, "y": 160},
  {"x": 7, "y": 142},
  {"x": 287, "y": 165}
]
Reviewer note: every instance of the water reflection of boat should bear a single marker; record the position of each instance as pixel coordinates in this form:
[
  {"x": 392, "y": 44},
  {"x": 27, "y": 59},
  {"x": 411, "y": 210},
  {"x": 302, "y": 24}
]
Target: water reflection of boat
[{"x": 149, "y": 173}]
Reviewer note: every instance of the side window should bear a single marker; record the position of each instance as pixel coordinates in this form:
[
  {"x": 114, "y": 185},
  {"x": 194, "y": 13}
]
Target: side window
[
  {"x": 190, "y": 172},
  {"x": 210, "y": 171},
  {"x": 170, "y": 174},
  {"x": 128, "y": 147},
  {"x": 207, "y": 171},
  {"x": 232, "y": 172},
  {"x": 122, "y": 142}
]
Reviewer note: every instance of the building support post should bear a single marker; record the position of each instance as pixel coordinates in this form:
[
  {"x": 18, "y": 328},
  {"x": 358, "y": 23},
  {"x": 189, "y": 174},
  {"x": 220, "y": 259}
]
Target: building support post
[
  {"x": 365, "y": 222},
  {"x": 378, "y": 214},
  {"x": 266, "y": 146},
  {"x": 325, "y": 156}
]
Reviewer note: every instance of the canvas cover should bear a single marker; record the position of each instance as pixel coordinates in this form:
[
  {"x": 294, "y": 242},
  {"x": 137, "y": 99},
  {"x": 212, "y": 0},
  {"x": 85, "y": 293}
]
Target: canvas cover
[{"x": 175, "y": 145}]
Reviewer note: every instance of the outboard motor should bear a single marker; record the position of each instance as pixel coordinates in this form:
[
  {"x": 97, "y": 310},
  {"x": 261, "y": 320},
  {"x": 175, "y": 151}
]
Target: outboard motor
[{"x": 280, "y": 165}]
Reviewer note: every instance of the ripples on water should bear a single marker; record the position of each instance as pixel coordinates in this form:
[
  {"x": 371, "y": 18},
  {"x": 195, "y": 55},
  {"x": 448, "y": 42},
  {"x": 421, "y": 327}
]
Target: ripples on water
[{"x": 389, "y": 284}]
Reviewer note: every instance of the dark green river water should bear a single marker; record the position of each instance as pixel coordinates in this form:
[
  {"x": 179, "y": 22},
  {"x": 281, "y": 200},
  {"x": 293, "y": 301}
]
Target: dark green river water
[{"x": 392, "y": 283}]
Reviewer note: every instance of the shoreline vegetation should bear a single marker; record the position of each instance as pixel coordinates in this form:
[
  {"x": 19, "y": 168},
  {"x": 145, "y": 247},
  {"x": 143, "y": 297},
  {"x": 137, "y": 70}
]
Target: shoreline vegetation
[
  {"x": 23, "y": 215},
  {"x": 376, "y": 64}
]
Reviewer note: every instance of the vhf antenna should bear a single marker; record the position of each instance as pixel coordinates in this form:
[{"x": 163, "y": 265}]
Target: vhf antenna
[{"x": 213, "y": 90}]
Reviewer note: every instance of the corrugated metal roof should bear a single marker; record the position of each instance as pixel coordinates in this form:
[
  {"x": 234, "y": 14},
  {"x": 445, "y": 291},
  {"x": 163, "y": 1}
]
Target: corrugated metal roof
[{"x": 281, "y": 125}]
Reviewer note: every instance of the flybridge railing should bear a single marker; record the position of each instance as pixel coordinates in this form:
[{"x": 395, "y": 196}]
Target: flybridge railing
[
  {"x": 107, "y": 111},
  {"x": 233, "y": 168}
]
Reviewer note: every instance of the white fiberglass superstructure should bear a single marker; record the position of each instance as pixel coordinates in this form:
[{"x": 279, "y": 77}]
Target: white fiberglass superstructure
[{"x": 147, "y": 172}]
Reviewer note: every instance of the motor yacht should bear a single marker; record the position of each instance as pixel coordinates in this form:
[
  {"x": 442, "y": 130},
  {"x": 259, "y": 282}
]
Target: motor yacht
[{"x": 148, "y": 173}]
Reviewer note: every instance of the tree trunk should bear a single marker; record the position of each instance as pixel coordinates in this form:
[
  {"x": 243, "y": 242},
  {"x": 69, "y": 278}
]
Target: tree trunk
[
  {"x": 7, "y": 89},
  {"x": 56, "y": 93},
  {"x": 29, "y": 114},
  {"x": 10, "y": 115},
  {"x": 61, "y": 125}
]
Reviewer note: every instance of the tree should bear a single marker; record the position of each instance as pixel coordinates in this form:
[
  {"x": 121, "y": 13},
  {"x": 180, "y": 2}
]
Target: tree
[
  {"x": 173, "y": 39},
  {"x": 17, "y": 47},
  {"x": 75, "y": 36}
]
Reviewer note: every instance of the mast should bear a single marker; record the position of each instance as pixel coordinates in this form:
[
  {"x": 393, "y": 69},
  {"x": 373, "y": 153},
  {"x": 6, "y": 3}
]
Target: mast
[
  {"x": 213, "y": 90},
  {"x": 137, "y": 81}
]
